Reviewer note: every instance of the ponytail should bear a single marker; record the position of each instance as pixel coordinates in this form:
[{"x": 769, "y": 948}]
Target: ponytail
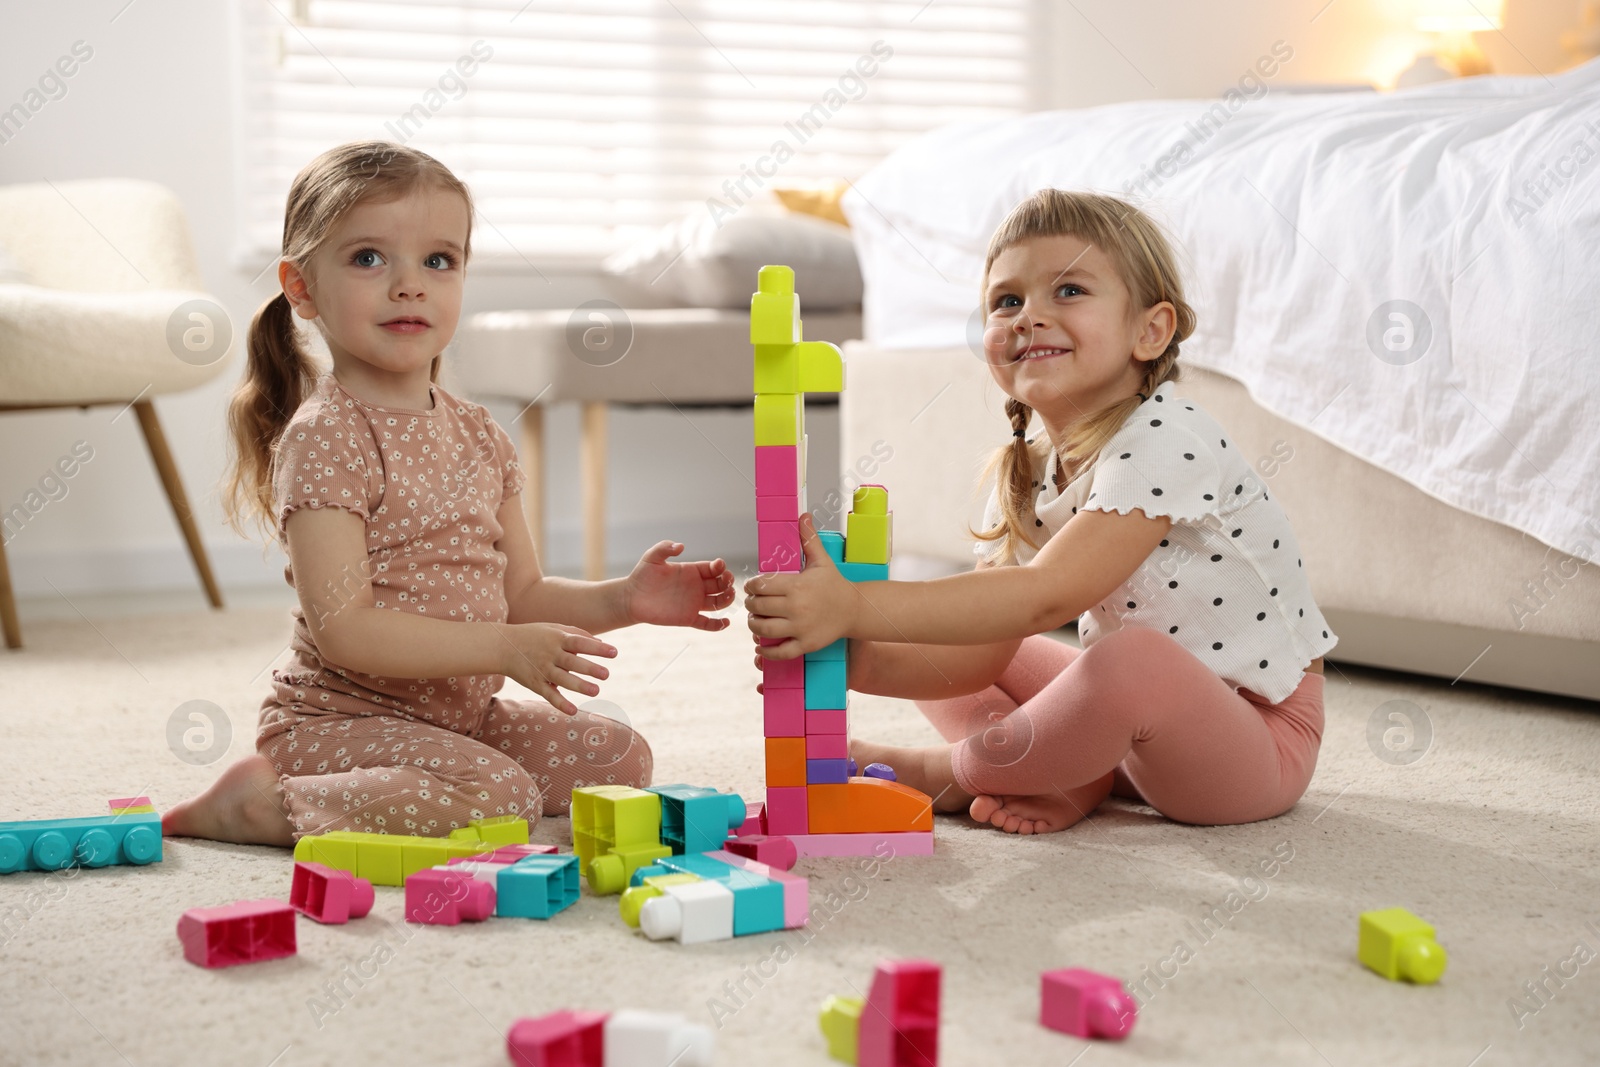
[
  {"x": 1012, "y": 467},
  {"x": 278, "y": 377}
]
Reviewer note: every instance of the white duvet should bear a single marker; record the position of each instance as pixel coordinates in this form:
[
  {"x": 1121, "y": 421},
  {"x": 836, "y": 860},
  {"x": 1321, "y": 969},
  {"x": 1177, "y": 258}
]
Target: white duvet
[{"x": 1303, "y": 220}]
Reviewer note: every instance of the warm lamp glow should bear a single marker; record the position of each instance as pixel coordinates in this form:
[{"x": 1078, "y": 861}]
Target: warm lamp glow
[
  {"x": 1459, "y": 16},
  {"x": 1452, "y": 23}
]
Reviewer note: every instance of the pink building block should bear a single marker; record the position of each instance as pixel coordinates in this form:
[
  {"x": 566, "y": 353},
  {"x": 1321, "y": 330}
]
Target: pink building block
[
  {"x": 783, "y": 712},
  {"x": 327, "y": 895},
  {"x": 445, "y": 898},
  {"x": 782, "y": 673},
  {"x": 827, "y": 721},
  {"x": 778, "y": 548},
  {"x": 796, "y": 890},
  {"x": 560, "y": 1039},
  {"x": 755, "y": 819},
  {"x": 827, "y": 746},
  {"x": 780, "y": 508},
  {"x": 900, "y": 1020},
  {"x": 247, "y": 932},
  {"x": 510, "y": 854},
  {"x": 774, "y": 851},
  {"x": 778, "y": 470},
  {"x": 1085, "y": 1004},
  {"x": 786, "y": 810},
  {"x": 911, "y": 843},
  {"x": 141, "y": 802}
]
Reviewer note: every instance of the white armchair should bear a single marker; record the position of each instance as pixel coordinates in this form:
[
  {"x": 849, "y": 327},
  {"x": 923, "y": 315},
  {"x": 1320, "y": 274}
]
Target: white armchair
[{"x": 110, "y": 311}]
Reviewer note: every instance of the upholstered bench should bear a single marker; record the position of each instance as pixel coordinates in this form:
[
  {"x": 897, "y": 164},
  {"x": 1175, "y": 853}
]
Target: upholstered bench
[{"x": 598, "y": 355}]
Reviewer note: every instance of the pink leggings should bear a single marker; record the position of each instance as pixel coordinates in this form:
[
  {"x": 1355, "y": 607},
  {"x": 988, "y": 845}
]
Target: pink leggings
[{"x": 1138, "y": 712}]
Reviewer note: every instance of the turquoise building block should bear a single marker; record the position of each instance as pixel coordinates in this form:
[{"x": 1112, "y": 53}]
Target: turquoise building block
[
  {"x": 537, "y": 887},
  {"x": 53, "y": 844},
  {"x": 833, "y": 544},
  {"x": 825, "y": 684},
  {"x": 757, "y": 901},
  {"x": 864, "y": 572},
  {"x": 696, "y": 818},
  {"x": 826, "y": 652}
]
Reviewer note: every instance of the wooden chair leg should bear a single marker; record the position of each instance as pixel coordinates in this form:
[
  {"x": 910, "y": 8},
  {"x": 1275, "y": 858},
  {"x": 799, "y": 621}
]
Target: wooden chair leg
[
  {"x": 8, "y": 603},
  {"x": 157, "y": 441},
  {"x": 533, "y": 467},
  {"x": 593, "y": 471}
]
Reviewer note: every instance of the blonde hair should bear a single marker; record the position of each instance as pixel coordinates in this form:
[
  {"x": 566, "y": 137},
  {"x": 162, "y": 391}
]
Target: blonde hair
[
  {"x": 1144, "y": 260},
  {"x": 279, "y": 373}
]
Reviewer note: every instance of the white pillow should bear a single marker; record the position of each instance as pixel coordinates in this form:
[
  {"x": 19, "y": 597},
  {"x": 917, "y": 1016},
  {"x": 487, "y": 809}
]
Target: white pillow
[{"x": 701, "y": 264}]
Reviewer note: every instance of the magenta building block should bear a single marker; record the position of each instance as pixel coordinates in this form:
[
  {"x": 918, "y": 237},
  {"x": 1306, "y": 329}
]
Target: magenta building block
[
  {"x": 900, "y": 1020},
  {"x": 778, "y": 548},
  {"x": 1085, "y": 1004},
  {"x": 796, "y": 890},
  {"x": 904, "y": 843},
  {"x": 246, "y": 932},
  {"x": 786, "y": 810},
  {"x": 780, "y": 508},
  {"x": 827, "y": 746},
  {"x": 774, "y": 850},
  {"x": 784, "y": 712},
  {"x": 827, "y": 771},
  {"x": 560, "y": 1039},
  {"x": 778, "y": 470},
  {"x": 327, "y": 895},
  {"x": 784, "y": 674},
  {"x": 442, "y": 897},
  {"x": 511, "y": 854},
  {"x": 755, "y": 814},
  {"x": 827, "y": 721}
]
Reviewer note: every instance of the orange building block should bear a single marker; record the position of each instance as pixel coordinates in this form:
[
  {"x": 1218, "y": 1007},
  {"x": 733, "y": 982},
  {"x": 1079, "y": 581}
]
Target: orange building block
[
  {"x": 786, "y": 761},
  {"x": 866, "y": 806}
]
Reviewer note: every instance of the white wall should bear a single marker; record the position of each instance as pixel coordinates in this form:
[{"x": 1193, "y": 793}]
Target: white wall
[{"x": 156, "y": 101}]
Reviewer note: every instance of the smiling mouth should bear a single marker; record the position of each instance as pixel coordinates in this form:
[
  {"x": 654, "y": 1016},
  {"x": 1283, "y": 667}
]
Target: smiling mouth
[{"x": 1041, "y": 353}]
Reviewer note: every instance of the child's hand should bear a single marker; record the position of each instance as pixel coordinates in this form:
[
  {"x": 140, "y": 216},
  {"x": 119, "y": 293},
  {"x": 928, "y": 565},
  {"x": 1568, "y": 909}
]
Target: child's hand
[
  {"x": 544, "y": 655},
  {"x": 675, "y": 594},
  {"x": 807, "y": 610}
]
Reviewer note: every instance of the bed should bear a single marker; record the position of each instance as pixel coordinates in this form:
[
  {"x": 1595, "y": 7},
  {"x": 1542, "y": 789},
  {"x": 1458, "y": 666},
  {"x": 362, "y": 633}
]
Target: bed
[{"x": 1399, "y": 305}]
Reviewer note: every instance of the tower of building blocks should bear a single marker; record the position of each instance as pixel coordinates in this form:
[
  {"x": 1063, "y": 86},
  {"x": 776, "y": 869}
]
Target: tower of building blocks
[
  {"x": 813, "y": 796},
  {"x": 1086, "y": 1004},
  {"x": 897, "y": 1025},
  {"x": 1400, "y": 946},
  {"x": 130, "y": 834}
]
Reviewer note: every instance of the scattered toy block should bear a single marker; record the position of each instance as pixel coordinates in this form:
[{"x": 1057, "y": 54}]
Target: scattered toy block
[
  {"x": 697, "y": 818},
  {"x": 513, "y": 853},
  {"x": 537, "y": 887},
  {"x": 249, "y": 931},
  {"x": 487, "y": 873},
  {"x": 780, "y": 418},
  {"x": 878, "y": 770},
  {"x": 754, "y": 816},
  {"x": 827, "y": 771},
  {"x": 796, "y": 890},
  {"x": 691, "y": 913},
  {"x": 882, "y": 845},
  {"x": 1401, "y": 947},
  {"x": 758, "y": 901},
  {"x": 783, "y": 712},
  {"x": 607, "y": 818},
  {"x": 778, "y": 545},
  {"x": 825, "y": 684},
  {"x": 1085, "y": 1004},
  {"x": 866, "y": 805},
  {"x": 446, "y": 897},
  {"x": 329, "y": 895},
  {"x": 647, "y": 888},
  {"x": 779, "y": 471},
  {"x": 656, "y": 1039},
  {"x": 840, "y": 1020},
  {"x": 786, "y": 761},
  {"x": 611, "y": 872},
  {"x": 131, "y": 806},
  {"x": 774, "y": 851},
  {"x": 900, "y": 1019},
  {"x": 494, "y": 831},
  {"x": 828, "y": 746},
  {"x": 53, "y": 844},
  {"x": 786, "y": 810},
  {"x": 389, "y": 859},
  {"x": 560, "y": 1039}
]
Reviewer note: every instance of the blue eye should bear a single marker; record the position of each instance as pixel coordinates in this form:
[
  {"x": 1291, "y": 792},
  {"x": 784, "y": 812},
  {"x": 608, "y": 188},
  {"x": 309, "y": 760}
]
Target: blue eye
[
  {"x": 447, "y": 261},
  {"x": 1061, "y": 288},
  {"x": 1008, "y": 301},
  {"x": 361, "y": 259}
]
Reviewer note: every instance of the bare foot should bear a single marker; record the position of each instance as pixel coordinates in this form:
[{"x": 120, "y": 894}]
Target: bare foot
[
  {"x": 245, "y": 806},
  {"x": 927, "y": 769},
  {"x": 1040, "y": 814}
]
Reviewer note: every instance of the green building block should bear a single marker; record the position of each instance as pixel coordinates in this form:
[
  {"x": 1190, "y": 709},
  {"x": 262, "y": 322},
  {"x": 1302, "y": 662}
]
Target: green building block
[
  {"x": 616, "y": 829},
  {"x": 389, "y": 859},
  {"x": 774, "y": 309},
  {"x": 777, "y": 369},
  {"x": 867, "y": 538},
  {"x": 821, "y": 367},
  {"x": 1400, "y": 946},
  {"x": 841, "y": 1026},
  {"x": 780, "y": 418}
]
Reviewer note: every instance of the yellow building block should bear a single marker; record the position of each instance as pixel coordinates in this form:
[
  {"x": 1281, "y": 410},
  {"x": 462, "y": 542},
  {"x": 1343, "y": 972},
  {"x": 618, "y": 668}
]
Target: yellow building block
[
  {"x": 821, "y": 367},
  {"x": 385, "y": 859},
  {"x": 780, "y": 418},
  {"x": 840, "y": 1020},
  {"x": 777, "y": 369},
  {"x": 774, "y": 309},
  {"x": 868, "y": 538},
  {"x": 633, "y": 897},
  {"x": 497, "y": 830},
  {"x": 1400, "y": 946}
]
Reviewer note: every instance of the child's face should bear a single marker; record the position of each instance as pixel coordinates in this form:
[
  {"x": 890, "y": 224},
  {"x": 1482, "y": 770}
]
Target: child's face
[
  {"x": 387, "y": 283},
  {"x": 1058, "y": 333}
]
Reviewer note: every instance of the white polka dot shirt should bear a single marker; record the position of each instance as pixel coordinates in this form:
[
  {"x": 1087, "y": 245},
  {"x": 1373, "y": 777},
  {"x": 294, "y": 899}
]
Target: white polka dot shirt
[{"x": 1227, "y": 583}]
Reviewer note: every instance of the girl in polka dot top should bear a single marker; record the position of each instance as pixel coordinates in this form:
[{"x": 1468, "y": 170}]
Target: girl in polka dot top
[
  {"x": 398, "y": 506},
  {"x": 1198, "y": 689}
]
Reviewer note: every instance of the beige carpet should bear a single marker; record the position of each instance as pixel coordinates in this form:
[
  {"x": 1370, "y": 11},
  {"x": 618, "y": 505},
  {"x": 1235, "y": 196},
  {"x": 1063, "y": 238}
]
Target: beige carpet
[{"x": 1491, "y": 835}]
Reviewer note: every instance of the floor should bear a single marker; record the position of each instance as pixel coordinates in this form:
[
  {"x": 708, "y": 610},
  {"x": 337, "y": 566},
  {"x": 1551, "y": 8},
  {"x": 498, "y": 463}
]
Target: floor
[{"x": 1240, "y": 940}]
